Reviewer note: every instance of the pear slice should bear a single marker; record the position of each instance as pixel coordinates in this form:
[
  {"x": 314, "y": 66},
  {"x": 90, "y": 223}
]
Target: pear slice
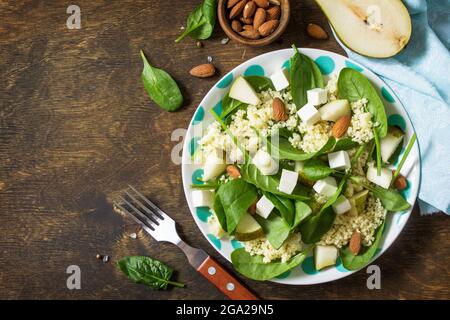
[
  {"x": 374, "y": 28},
  {"x": 248, "y": 229},
  {"x": 242, "y": 90},
  {"x": 359, "y": 201},
  {"x": 390, "y": 144},
  {"x": 325, "y": 256}
]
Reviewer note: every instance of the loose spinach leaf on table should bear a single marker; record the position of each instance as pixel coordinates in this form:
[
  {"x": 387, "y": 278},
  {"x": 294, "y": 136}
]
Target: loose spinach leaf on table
[
  {"x": 148, "y": 271},
  {"x": 285, "y": 150},
  {"x": 161, "y": 87},
  {"x": 315, "y": 169},
  {"x": 251, "y": 174},
  {"x": 284, "y": 205},
  {"x": 235, "y": 197},
  {"x": 302, "y": 211},
  {"x": 260, "y": 83},
  {"x": 255, "y": 268},
  {"x": 305, "y": 75},
  {"x": 344, "y": 144},
  {"x": 353, "y": 86},
  {"x": 355, "y": 262},
  {"x": 275, "y": 228},
  {"x": 201, "y": 22}
]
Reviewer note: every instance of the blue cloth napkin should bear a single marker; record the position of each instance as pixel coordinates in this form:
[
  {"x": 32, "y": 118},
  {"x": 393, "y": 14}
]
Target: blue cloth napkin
[{"x": 420, "y": 76}]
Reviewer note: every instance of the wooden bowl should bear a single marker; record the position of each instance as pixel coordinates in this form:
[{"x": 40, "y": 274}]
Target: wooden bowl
[{"x": 225, "y": 23}]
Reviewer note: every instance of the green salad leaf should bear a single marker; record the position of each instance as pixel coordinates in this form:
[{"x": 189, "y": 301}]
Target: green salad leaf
[
  {"x": 275, "y": 229},
  {"x": 302, "y": 211},
  {"x": 201, "y": 22},
  {"x": 148, "y": 271},
  {"x": 315, "y": 169},
  {"x": 313, "y": 228},
  {"x": 260, "y": 83},
  {"x": 255, "y": 268},
  {"x": 285, "y": 150},
  {"x": 161, "y": 87},
  {"x": 353, "y": 86},
  {"x": 232, "y": 201},
  {"x": 355, "y": 262},
  {"x": 344, "y": 144},
  {"x": 284, "y": 205}
]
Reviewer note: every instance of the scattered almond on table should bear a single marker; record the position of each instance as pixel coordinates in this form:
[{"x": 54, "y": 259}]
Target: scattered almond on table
[
  {"x": 255, "y": 18},
  {"x": 316, "y": 32},
  {"x": 203, "y": 70}
]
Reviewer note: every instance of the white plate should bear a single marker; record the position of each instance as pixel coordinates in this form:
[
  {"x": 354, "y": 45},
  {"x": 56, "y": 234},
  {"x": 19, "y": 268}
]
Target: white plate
[{"x": 329, "y": 63}]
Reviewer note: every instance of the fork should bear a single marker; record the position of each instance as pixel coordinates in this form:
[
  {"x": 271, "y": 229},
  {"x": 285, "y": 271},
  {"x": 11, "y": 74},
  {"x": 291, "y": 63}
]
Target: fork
[{"x": 161, "y": 227}]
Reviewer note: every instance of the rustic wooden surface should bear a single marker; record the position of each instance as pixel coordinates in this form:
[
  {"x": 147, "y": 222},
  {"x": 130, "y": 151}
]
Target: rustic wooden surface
[{"x": 77, "y": 127}]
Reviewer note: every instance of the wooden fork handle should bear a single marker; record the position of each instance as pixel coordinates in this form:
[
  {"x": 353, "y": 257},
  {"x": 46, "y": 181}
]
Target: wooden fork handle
[{"x": 224, "y": 281}]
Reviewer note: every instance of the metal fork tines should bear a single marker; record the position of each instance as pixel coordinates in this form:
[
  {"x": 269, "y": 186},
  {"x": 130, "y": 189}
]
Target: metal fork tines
[{"x": 152, "y": 219}]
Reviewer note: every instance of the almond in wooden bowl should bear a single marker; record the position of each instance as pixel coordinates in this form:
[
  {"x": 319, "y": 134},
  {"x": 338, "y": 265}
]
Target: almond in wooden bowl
[{"x": 277, "y": 11}]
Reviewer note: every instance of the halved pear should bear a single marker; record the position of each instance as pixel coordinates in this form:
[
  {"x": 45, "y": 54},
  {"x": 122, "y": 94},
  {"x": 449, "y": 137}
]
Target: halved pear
[
  {"x": 374, "y": 28},
  {"x": 248, "y": 229},
  {"x": 242, "y": 90}
]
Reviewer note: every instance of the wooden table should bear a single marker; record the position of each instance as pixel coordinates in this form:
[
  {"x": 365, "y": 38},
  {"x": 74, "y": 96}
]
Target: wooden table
[{"x": 77, "y": 127}]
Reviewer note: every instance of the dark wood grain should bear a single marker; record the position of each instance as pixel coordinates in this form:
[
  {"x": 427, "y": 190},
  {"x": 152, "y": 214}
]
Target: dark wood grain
[{"x": 76, "y": 127}]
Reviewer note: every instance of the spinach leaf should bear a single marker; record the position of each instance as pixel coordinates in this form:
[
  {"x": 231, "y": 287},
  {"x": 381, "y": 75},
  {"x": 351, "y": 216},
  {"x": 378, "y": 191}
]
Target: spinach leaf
[
  {"x": 161, "y": 87},
  {"x": 284, "y": 205},
  {"x": 251, "y": 174},
  {"x": 344, "y": 144},
  {"x": 255, "y": 268},
  {"x": 285, "y": 150},
  {"x": 391, "y": 199},
  {"x": 230, "y": 105},
  {"x": 315, "y": 169},
  {"x": 200, "y": 23},
  {"x": 235, "y": 197},
  {"x": 275, "y": 229},
  {"x": 148, "y": 271},
  {"x": 336, "y": 195},
  {"x": 353, "y": 86},
  {"x": 302, "y": 211},
  {"x": 377, "y": 150},
  {"x": 220, "y": 212},
  {"x": 260, "y": 83},
  {"x": 305, "y": 75},
  {"x": 317, "y": 225},
  {"x": 355, "y": 262}
]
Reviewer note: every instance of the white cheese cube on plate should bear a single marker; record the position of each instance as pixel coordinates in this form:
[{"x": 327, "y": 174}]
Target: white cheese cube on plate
[
  {"x": 264, "y": 207},
  {"x": 317, "y": 96},
  {"x": 341, "y": 205},
  {"x": 265, "y": 163},
  {"x": 309, "y": 114},
  {"x": 383, "y": 180},
  {"x": 288, "y": 181},
  {"x": 280, "y": 79},
  {"x": 339, "y": 160},
  {"x": 326, "y": 186},
  {"x": 202, "y": 198}
]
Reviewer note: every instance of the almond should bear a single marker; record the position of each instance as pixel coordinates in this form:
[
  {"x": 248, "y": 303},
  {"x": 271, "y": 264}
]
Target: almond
[
  {"x": 259, "y": 18},
  {"x": 231, "y": 3},
  {"x": 246, "y": 21},
  {"x": 279, "y": 112},
  {"x": 237, "y": 9},
  {"x": 248, "y": 27},
  {"x": 275, "y": 2},
  {"x": 340, "y": 126},
  {"x": 249, "y": 10},
  {"x": 355, "y": 242},
  {"x": 236, "y": 26},
  {"x": 262, "y": 3},
  {"x": 251, "y": 34},
  {"x": 400, "y": 182},
  {"x": 316, "y": 32},
  {"x": 233, "y": 171},
  {"x": 268, "y": 27},
  {"x": 252, "y": 208},
  {"x": 203, "y": 71},
  {"x": 273, "y": 13}
]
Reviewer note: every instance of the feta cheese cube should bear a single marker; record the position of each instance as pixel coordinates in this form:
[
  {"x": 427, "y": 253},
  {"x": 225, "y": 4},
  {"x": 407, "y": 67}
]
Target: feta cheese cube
[
  {"x": 264, "y": 207},
  {"x": 288, "y": 181},
  {"x": 341, "y": 205},
  {"x": 309, "y": 114},
  {"x": 383, "y": 180},
  {"x": 326, "y": 186},
  {"x": 339, "y": 160},
  {"x": 299, "y": 166},
  {"x": 317, "y": 96},
  {"x": 280, "y": 79},
  {"x": 202, "y": 198},
  {"x": 265, "y": 163}
]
